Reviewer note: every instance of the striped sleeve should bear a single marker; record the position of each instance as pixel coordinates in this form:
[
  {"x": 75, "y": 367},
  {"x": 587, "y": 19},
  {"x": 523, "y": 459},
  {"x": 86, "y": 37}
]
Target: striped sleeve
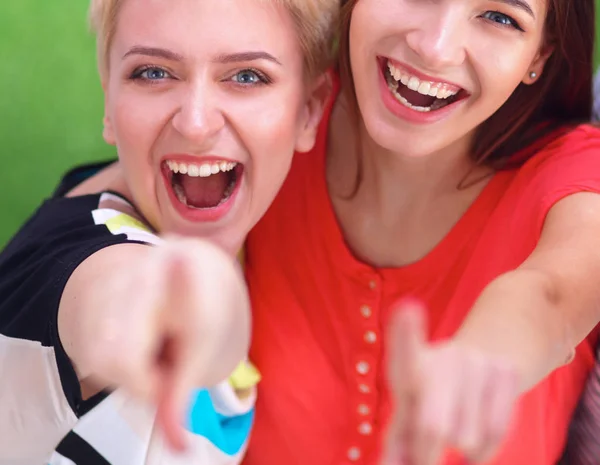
[{"x": 40, "y": 397}]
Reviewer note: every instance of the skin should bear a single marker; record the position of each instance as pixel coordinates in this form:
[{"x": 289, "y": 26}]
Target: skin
[
  {"x": 197, "y": 105},
  {"x": 161, "y": 321},
  {"x": 408, "y": 201}
]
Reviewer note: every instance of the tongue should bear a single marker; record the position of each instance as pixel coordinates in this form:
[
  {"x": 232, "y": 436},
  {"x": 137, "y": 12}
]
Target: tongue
[
  {"x": 414, "y": 98},
  {"x": 204, "y": 192}
]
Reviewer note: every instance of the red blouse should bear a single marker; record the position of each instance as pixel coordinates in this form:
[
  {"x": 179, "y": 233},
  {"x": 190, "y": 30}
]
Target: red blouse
[{"x": 319, "y": 313}]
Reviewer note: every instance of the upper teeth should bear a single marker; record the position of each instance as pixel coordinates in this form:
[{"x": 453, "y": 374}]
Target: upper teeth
[
  {"x": 439, "y": 90},
  {"x": 203, "y": 170}
]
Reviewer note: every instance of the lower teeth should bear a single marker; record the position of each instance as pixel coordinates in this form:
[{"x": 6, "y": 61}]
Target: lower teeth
[
  {"x": 180, "y": 194},
  {"x": 393, "y": 86}
]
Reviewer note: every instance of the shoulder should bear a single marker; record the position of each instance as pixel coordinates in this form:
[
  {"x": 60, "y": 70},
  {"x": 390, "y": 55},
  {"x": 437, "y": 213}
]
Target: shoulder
[
  {"x": 567, "y": 162},
  {"x": 570, "y": 155},
  {"x": 579, "y": 143},
  {"x": 65, "y": 231},
  {"x": 74, "y": 220}
]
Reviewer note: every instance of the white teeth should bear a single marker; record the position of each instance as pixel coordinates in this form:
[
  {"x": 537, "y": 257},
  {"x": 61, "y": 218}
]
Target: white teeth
[
  {"x": 439, "y": 90},
  {"x": 179, "y": 192},
  {"x": 413, "y": 84},
  {"x": 406, "y": 103},
  {"x": 203, "y": 170},
  {"x": 424, "y": 88}
]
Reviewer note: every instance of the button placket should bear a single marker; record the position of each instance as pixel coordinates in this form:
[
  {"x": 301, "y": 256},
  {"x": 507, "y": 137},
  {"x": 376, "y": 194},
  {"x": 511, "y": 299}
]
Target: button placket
[
  {"x": 366, "y": 311},
  {"x": 365, "y": 367}
]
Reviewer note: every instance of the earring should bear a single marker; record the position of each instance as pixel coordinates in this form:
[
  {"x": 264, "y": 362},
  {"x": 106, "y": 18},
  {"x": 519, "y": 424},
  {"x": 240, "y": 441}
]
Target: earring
[{"x": 533, "y": 75}]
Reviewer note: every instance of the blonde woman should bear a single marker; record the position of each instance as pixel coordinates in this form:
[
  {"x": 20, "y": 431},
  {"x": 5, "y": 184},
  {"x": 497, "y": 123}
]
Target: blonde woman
[{"x": 206, "y": 113}]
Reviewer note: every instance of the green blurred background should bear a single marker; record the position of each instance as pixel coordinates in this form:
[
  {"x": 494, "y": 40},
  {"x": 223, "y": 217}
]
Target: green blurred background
[{"x": 50, "y": 102}]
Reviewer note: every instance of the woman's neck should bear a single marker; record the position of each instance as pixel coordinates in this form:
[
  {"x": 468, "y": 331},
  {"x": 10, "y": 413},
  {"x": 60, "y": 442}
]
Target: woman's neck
[
  {"x": 382, "y": 197},
  {"x": 392, "y": 175}
]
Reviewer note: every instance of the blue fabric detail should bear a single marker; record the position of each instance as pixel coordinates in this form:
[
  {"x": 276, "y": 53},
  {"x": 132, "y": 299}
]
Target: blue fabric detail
[{"x": 229, "y": 434}]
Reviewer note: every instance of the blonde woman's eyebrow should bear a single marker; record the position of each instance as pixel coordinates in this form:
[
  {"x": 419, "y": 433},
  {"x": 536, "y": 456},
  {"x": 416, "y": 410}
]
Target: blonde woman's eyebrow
[
  {"x": 245, "y": 57},
  {"x": 224, "y": 58},
  {"x": 153, "y": 52}
]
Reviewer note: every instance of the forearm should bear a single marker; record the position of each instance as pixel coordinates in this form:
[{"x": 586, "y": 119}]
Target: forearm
[{"x": 523, "y": 318}]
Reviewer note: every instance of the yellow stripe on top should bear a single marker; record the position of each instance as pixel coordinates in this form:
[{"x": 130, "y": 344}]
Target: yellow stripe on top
[
  {"x": 244, "y": 377},
  {"x": 116, "y": 223}
]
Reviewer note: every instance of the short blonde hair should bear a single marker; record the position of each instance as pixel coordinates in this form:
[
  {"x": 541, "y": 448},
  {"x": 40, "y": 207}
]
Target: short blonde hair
[{"x": 316, "y": 22}]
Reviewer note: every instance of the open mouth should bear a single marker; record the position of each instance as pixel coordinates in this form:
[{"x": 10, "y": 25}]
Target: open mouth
[
  {"x": 417, "y": 94},
  {"x": 206, "y": 185}
]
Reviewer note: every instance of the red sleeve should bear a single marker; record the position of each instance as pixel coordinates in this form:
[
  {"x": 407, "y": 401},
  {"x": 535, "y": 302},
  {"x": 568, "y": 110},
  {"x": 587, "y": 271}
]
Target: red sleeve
[{"x": 568, "y": 165}]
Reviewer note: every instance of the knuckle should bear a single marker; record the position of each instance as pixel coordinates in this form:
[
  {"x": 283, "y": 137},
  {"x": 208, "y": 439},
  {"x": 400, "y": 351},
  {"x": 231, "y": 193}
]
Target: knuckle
[
  {"x": 433, "y": 431},
  {"x": 471, "y": 443},
  {"x": 496, "y": 433}
]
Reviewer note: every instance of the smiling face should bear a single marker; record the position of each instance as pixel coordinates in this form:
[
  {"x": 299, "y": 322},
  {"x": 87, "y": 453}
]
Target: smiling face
[
  {"x": 206, "y": 110},
  {"x": 427, "y": 74}
]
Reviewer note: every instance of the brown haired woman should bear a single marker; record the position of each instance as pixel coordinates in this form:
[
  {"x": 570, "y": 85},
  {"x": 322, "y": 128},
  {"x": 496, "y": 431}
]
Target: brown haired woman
[{"x": 451, "y": 169}]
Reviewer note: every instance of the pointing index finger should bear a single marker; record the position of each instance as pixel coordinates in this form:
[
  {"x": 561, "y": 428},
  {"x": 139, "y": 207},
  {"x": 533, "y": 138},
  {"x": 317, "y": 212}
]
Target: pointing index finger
[{"x": 406, "y": 340}]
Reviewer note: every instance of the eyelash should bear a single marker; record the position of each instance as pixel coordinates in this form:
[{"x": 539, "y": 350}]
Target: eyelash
[
  {"x": 262, "y": 77},
  {"x": 138, "y": 75},
  {"x": 513, "y": 23}
]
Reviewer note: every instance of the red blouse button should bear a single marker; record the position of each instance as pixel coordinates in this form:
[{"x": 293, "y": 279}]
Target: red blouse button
[
  {"x": 366, "y": 311},
  {"x": 370, "y": 337},
  {"x": 354, "y": 454},
  {"x": 362, "y": 368}
]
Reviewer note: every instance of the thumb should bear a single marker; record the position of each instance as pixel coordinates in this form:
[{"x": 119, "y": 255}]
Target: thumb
[{"x": 406, "y": 340}]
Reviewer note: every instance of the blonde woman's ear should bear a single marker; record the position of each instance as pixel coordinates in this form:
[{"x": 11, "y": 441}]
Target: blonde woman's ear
[{"x": 315, "y": 105}]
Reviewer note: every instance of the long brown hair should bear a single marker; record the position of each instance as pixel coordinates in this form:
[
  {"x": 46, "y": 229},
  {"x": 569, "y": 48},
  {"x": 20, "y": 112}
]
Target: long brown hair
[{"x": 562, "y": 96}]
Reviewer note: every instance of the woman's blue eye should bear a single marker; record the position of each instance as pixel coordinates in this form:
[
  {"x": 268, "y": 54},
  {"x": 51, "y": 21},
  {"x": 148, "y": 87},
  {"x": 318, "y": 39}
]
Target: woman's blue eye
[
  {"x": 502, "y": 19},
  {"x": 150, "y": 74},
  {"x": 248, "y": 77},
  {"x": 154, "y": 74}
]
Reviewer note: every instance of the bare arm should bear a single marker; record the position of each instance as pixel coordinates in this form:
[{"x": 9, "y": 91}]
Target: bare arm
[
  {"x": 83, "y": 305},
  {"x": 157, "y": 321},
  {"x": 536, "y": 315}
]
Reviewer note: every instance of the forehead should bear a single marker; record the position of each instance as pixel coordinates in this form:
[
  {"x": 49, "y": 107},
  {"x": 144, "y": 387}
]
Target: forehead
[{"x": 196, "y": 27}]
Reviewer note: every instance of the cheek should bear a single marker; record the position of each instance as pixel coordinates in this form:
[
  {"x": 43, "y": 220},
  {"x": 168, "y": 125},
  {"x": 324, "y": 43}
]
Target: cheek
[
  {"x": 268, "y": 131},
  {"x": 501, "y": 72},
  {"x": 360, "y": 28},
  {"x": 137, "y": 122},
  {"x": 272, "y": 123}
]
